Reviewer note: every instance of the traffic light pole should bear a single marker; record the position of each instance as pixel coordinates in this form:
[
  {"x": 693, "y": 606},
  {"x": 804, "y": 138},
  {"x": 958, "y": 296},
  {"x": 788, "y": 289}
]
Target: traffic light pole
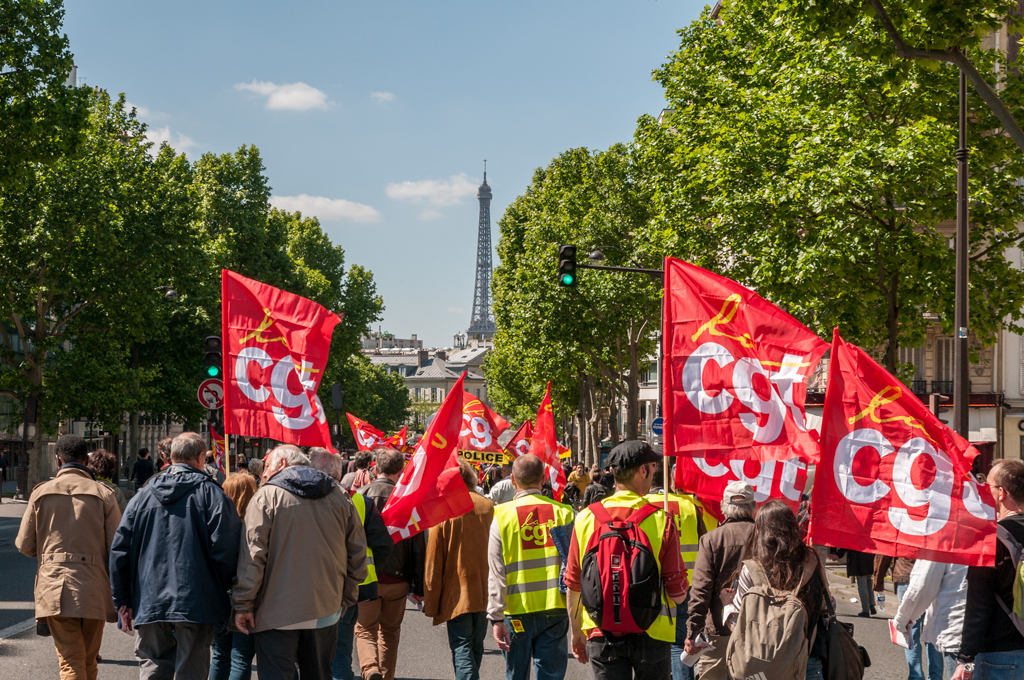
[{"x": 656, "y": 273}]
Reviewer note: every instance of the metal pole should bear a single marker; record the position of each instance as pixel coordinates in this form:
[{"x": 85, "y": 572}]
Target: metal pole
[
  {"x": 961, "y": 379},
  {"x": 661, "y": 368}
]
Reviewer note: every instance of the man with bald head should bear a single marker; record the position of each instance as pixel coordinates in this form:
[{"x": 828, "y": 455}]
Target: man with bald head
[{"x": 525, "y": 606}]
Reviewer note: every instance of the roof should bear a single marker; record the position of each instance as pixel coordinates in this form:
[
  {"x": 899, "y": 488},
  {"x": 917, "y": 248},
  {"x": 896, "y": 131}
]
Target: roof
[
  {"x": 437, "y": 369},
  {"x": 393, "y": 359},
  {"x": 468, "y": 356}
]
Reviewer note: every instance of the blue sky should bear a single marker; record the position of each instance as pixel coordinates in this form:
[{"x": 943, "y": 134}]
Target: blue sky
[{"x": 376, "y": 116}]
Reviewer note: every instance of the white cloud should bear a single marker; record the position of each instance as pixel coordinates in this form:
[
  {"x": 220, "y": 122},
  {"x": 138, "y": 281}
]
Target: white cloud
[
  {"x": 382, "y": 97},
  {"x": 455, "y": 310},
  {"x": 327, "y": 208},
  {"x": 290, "y": 96},
  {"x": 142, "y": 111},
  {"x": 438, "y": 193},
  {"x": 429, "y": 214},
  {"x": 176, "y": 140}
]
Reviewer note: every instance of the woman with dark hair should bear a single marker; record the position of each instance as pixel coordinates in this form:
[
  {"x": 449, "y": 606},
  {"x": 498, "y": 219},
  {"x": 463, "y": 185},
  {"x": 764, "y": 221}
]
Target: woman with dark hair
[
  {"x": 233, "y": 651},
  {"x": 778, "y": 549},
  {"x": 102, "y": 465}
]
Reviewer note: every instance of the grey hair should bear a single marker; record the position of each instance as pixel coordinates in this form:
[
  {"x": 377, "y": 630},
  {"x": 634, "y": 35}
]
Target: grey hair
[
  {"x": 255, "y": 467},
  {"x": 187, "y": 447},
  {"x": 327, "y": 463},
  {"x": 741, "y": 510},
  {"x": 291, "y": 454}
]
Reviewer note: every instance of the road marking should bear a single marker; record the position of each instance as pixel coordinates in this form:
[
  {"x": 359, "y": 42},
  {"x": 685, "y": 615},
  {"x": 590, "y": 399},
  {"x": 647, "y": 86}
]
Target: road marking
[{"x": 17, "y": 628}]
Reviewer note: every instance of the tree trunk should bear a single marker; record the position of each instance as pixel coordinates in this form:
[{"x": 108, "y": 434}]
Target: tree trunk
[
  {"x": 891, "y": 360},
  {"x": 633, "y": 389}
]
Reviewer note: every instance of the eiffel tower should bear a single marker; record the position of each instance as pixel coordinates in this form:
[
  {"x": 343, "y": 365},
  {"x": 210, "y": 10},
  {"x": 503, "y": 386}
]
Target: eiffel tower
[{"x": 481, "y": 325}]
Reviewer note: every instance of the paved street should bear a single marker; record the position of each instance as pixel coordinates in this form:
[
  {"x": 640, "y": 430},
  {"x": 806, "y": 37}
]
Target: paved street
[{"x": 424, "y": 648}]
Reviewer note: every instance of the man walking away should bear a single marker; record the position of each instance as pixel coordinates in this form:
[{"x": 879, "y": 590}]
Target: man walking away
[
  {"x": 934, "y": 602},
  {"x": 641, "y": 655},
  {"x": 172, "y": 563},
  {"x": 143, "y": 469},
  {"x": 68, "y": 525},
  {"x": 990, "y": 641},
  {"x": 378, "y": 548},
  {"x": 503, "y": 491},
  {"x": 720, "y": 553},
  {"x": 525, "y": 605},
  {"x": 303, "y": 558},
  {"x": 379, "y": 625},
  {"x": 690, "y": 525},
  {"x": 455, "y": 580}
]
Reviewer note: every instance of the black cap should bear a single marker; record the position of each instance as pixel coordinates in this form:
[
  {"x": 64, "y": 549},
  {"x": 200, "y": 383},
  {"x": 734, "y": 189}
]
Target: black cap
[{"x": 632, "y": 454}]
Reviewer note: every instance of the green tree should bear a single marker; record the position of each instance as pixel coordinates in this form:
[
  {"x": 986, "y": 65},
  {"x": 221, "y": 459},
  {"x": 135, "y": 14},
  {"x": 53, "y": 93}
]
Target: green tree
[
  {"x": 823, "y": 176},
  {"x": 40, "y": 117}
]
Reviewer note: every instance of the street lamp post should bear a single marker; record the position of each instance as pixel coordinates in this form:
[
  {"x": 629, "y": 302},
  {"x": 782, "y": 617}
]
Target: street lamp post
[{"x": 961, "y": 379}]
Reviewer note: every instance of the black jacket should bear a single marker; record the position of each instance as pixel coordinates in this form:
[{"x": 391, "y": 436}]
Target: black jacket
[
  {"x": 408, "y": 559},
  {"x": 858, "y": 563},
  {"x": 142, "y": 471},
  {"x": 987, "y": 628},
  {"x": 174, "y": 555},
  {"x": 378, "y": 539}
]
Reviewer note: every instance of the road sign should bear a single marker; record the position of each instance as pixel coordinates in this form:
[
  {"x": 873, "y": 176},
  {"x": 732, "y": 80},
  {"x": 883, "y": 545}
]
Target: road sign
[
  {"x": 211, "y": 394},
  {"x": 658, "y": 426}
]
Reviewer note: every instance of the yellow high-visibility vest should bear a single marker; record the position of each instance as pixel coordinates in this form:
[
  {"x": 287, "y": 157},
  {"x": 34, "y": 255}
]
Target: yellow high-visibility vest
[
  {"x": 532, "y": 562},
  {"x": 664, "y": 627},
  {"x": 710, "y": 521},
  {"x": 371, "y": 571},
  {"x": 684, "y": 511}
]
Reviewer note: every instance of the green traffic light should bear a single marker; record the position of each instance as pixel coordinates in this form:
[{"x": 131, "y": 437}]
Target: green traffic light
[
  {"x": 213, "y": 371},
  {"x": 567, "y": 279}
]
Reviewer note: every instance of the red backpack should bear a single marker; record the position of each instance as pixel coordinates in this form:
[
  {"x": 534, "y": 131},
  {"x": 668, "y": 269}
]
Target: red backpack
[{"x": 620, "y": 585}]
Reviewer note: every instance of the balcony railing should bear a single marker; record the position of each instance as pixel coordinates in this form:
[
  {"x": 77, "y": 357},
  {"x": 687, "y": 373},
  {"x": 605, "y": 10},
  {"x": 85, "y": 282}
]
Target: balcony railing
[
  {"x": 942, "y": 386},
  {"x": 919, "y": 387}
]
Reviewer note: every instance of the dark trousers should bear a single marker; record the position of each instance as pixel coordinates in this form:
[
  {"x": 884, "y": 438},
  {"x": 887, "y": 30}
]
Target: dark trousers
[
  {"x": 635, "y": 656},
  {"x": 540, "y": 638},
  {"x": 341, "y": 669},
  {"x": 466, "y": 634},
  {"x": 279, "y": 651}
]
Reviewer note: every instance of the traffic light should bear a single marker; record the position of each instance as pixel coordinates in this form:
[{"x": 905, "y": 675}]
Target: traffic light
[
  {"x": 567, "y": 266},
  {"x": 214, "y": 358}
]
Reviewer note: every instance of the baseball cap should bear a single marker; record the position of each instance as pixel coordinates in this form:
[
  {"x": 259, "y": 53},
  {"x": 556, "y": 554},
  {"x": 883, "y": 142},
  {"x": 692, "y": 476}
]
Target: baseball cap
[
  {"x": 632, "y": 454},
  {"x": 738, "y": 492}
]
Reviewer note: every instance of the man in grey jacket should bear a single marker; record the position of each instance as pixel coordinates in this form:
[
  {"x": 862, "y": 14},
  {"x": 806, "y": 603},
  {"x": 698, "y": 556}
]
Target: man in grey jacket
[{"x": 300, "y": 567}]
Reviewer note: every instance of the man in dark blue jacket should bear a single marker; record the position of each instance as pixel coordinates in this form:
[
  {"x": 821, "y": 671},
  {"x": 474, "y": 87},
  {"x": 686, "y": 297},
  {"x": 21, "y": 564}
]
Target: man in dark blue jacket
[{"x": 172, "y": 562}]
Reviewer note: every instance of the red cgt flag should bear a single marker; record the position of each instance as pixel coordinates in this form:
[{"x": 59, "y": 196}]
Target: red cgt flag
[
  {"x": 893, "y": 479},
  {"x": 707, "y": 479},
  {"x": 544, "y": 445},
  {"x": 519, "y": 445},
  {"x": 275, "y": 350},
  {"x": 397, "y": 440},
  {"x": 367, "y": 436},
  {"x": 736, "y": 369},
  {"x": 218, "y": 447},
  {"x": 431, "y": 489},
  {"x": 481, "y": 426}
]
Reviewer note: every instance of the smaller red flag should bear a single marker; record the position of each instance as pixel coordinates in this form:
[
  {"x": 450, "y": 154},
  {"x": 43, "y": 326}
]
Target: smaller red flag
[
  {"x": 481, "y": 426},
  {"x": 397, "y": 440},
  {"x": 218, "y": 447},
  {"x": 367, "y": 436},
  {"x": 431, "y": 489},
  {"x": 519, "y": 445},
  {"x": 544, "y": 445}
]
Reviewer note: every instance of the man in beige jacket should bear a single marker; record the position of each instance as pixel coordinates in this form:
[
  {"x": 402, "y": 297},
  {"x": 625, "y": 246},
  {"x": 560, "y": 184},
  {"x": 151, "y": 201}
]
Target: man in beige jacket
[
  {"x": 68, "y": 525},
  {"x": 301, "y": 563}
]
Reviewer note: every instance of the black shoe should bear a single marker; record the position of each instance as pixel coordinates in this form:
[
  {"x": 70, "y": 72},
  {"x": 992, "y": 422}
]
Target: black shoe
[
  {"x": 862, "y": 614},
  {"x": 873, "y": 611},
  {"x": 375, "y": 676}
]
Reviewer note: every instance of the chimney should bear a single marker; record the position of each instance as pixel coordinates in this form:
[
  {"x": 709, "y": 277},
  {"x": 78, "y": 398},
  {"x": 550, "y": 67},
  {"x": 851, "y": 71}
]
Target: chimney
[
  {"x": 442, "y": 355},
  {"x": 421, "y": 357}
]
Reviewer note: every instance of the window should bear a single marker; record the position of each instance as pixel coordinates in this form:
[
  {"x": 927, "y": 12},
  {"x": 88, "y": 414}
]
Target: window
[
  {"x": 914, "y": 356},
  {"x": 944, "y": 349}
]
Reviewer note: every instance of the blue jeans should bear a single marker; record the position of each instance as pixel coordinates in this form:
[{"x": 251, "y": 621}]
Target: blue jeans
[
  {"x": 232, "y": 655},
  {"x": 466, "y": 634},
  {"x": 341, "y": 669},
  {"x": 950, "y": 662},
  {"x": 680, "y": 671},
  {"x": 914, "y": 656},
  {"x": 541, "y": 638},
  {"x": 999, "y": 666},
  {"x": 814, "y": 669}
]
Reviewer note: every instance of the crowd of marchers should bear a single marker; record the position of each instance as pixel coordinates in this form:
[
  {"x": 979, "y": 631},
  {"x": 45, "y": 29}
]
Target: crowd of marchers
[{"x": 288, "y": 563}]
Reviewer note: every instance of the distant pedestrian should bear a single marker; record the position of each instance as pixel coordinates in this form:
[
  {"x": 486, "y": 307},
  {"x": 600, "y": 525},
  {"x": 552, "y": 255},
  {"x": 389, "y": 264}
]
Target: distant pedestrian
[
  {"x": 595, "y": 491},
  {"x": 860, "y": 566},
  {"x": 379, "y": 626},
  {"x": 580, "y": 478},
  {"x": 525, "y": 605},
  {"x": 934, "y": 601},
  {"x": 179, "y": 525},
  {"x": 455, "y": 580},
  {"x": 102, "y": 465},
  {"x": 991, "y": 645},
  {"x": 211, "y": 469},
  {"x": 362, "y": 464},
  {"x": 255, "y": 468},
  {"x": 163, "y": 448},
  {"x": 302, "y": 561},
  {"x": 5, "y": 465},
  {"x": 143, "y": 469},
  {"x": 68, "y": 526},
  {"x": 233, "y": 651},
  {"x": 378, "y": 548},
  {"x": 720, "y": 553},
  {"x": 503, "y": 491}
]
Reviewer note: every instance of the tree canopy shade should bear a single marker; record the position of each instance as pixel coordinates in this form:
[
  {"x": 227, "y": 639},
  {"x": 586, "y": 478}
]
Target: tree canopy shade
[
  {"x": 824, "y": 175},
  {"x": 936, "y": 31}
]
